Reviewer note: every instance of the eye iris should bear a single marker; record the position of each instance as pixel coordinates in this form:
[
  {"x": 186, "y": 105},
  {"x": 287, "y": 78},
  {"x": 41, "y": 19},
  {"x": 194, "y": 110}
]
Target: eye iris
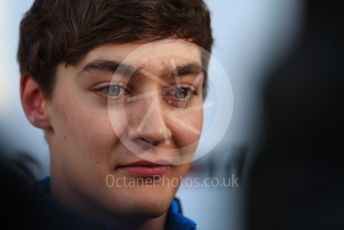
[
  {"x": 114, "y": 90},
  {"x": 181, "y": 93}
]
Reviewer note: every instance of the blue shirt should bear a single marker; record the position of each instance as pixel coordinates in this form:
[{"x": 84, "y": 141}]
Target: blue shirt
[{"x": 175, "y": 219}]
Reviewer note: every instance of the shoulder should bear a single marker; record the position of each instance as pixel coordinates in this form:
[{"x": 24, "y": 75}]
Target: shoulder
[{"x": 176, "y": 219}]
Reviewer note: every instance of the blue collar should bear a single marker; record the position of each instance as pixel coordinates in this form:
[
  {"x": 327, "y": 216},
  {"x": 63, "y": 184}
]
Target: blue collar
[{"x": 175, "y": 218}]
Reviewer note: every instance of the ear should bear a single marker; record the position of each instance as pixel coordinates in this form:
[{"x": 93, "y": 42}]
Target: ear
[{"x": 33, "y": 102}]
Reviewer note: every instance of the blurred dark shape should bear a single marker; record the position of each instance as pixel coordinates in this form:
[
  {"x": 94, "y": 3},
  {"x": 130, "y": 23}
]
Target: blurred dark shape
[
  {"x": 15, "y": 190},
  {"x": 297, "y": 180}
]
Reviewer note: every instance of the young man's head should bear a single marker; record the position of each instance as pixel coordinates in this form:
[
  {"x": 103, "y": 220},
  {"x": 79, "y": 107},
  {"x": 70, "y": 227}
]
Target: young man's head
[{"x": 100, "y": 76}]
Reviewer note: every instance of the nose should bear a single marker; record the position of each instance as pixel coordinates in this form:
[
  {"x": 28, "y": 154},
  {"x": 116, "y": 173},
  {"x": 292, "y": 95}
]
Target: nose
[{"x": 147, "y": 123}]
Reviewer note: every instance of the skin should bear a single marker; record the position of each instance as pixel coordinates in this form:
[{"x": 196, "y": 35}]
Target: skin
[{"x": 85, "y": 139}]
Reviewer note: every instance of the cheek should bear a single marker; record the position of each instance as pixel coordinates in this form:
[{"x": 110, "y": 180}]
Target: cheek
[
  {"x": 84, "y": 133},
  {"x": 186, "y": 129},
  {"x": 93, "y": 131}
]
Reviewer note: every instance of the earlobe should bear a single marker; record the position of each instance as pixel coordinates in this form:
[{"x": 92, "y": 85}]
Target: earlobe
[{"x": 33, "y": 102}]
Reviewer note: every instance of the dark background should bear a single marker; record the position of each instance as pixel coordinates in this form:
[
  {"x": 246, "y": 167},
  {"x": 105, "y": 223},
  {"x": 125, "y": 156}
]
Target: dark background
[{"x": 297, "y": 178}]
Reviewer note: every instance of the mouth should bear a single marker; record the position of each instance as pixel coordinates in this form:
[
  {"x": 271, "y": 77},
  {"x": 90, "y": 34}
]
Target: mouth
[{"x": 144, "y": 169}]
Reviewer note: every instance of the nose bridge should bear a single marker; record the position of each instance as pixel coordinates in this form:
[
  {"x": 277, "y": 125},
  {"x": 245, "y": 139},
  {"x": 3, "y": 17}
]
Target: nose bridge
[
  {"x": 148, "y": 120},
  {"x": 152, "y": 117}
]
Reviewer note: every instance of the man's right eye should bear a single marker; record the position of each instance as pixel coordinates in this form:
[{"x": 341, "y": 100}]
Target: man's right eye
[{"x": 112, "y": 91}]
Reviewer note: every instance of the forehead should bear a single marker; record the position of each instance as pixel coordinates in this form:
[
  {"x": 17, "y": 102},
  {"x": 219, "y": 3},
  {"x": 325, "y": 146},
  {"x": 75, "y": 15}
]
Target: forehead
[{"x": 157, "y": 54}]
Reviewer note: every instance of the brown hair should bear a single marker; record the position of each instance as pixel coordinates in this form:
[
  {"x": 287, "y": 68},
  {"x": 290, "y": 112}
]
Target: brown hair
[{"x": 63, "y": 31}]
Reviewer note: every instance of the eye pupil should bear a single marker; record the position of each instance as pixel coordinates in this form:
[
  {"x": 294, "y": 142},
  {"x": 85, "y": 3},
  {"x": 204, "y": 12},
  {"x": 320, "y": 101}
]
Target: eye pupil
[
  {"x": 114, "y": 90},
  {"x": 181, "y": 93}
]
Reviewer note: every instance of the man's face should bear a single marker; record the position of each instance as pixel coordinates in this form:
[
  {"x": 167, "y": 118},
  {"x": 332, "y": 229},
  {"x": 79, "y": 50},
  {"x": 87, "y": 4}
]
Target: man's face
[{"x": 107, "y": 125}]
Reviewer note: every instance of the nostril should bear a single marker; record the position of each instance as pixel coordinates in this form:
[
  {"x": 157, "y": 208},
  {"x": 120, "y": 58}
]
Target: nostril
[
  {"x": 152, "y": 142},
  {"x": 156, "y": 143}
]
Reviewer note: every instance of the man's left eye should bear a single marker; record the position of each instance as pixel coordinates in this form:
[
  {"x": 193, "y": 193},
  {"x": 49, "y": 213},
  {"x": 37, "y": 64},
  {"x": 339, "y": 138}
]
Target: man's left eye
[
  {"x": 178, "y": 96},
  {"x": 179, "y": 92},
  {"x": 182, "y": 93}
]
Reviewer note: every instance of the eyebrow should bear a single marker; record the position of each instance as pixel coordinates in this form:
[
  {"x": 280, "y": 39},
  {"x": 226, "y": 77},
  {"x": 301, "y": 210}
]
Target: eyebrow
[
  {"x": 107, "y": 66},
  {"x": 111, "y": 66},
  {"x": 188, "y": 69}
]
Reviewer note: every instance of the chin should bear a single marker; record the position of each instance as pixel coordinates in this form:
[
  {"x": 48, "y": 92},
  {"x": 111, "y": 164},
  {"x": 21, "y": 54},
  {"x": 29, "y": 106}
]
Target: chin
[
  {"x": 144, "y": 205},
  {"x": 149, "y": 211}
]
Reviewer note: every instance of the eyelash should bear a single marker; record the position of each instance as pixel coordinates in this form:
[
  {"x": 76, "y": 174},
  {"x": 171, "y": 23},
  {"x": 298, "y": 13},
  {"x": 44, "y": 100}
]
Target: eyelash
[{"x": 166, "y": 92}]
